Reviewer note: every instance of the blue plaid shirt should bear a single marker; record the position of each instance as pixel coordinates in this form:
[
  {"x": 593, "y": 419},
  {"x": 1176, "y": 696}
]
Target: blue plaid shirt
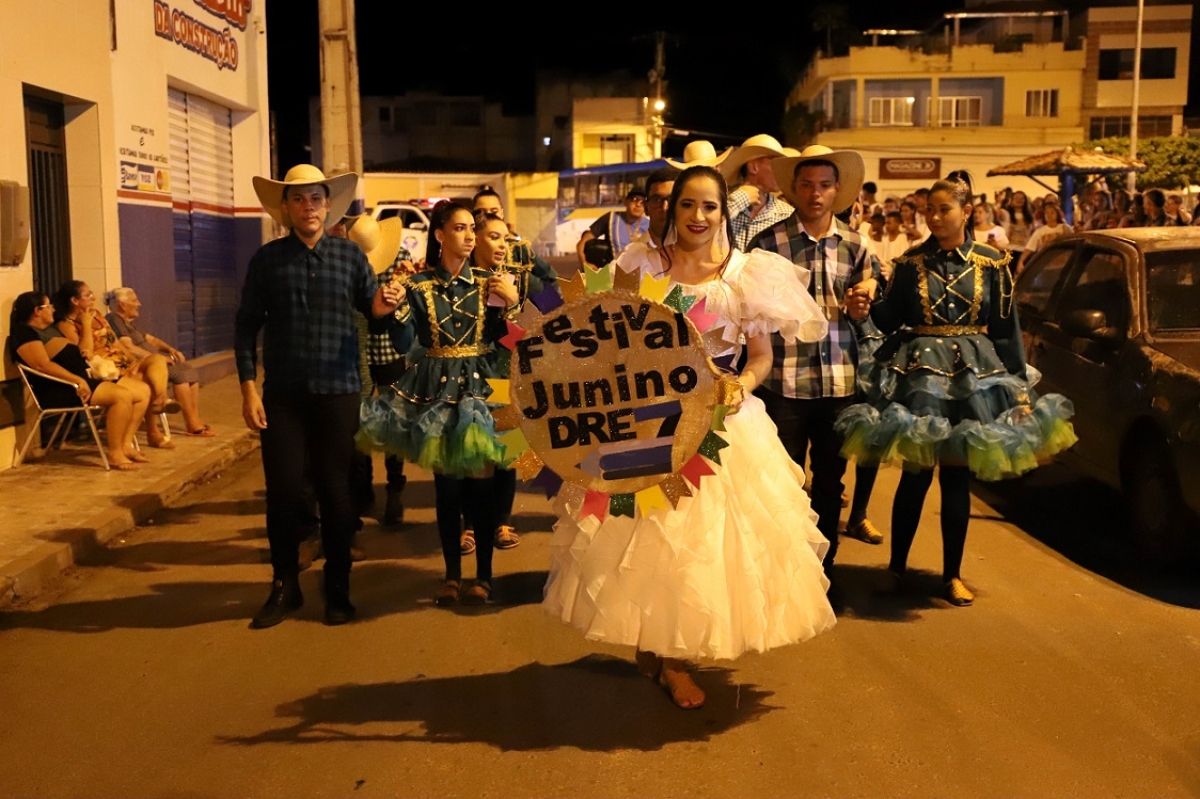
[
  {"x": 836, "y": 261},
  {"x": 307, "y": 300},
  {"x": 745, "y": 226}
]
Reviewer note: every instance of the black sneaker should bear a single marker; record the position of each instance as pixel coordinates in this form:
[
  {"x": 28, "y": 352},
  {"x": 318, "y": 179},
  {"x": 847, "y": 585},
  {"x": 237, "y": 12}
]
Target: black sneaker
[{"x": 285, "y": 597}]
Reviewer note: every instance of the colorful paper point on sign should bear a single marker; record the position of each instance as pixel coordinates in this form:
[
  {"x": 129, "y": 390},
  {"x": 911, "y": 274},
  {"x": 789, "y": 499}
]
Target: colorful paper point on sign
[
  {"x": 595, "y": 503},
  {"x": 574, "y": 288},
  {"x": 719, "y": 414},
  {"x": 513, "y": 441},
  {"x": 654, "y": 288},
  {"x": 711, "y": 447},
  {"x": 548, "y": 481},
  {"x": 546, "y": 300},
  {"x": 597, "y": 279},
  {"x": 696, "y": 468},
  {"x": 621, "y": 505},
  {"x": 679, "y": 301},
  {"x": 515, "y": 334},
  {"x": 700, "y": 318},
  {"x": 651, "y": 499},
  {"x": 500, "y": 391}
]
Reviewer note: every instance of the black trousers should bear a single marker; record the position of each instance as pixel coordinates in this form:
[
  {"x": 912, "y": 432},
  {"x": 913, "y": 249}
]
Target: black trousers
[
  {"x": 504, "y": 484},
  {"x": 806, "y": 429},
  {"x": 317, "y": 431},
  {"x": 362, "y": 471},
  {"x": 956, "y": 512}
]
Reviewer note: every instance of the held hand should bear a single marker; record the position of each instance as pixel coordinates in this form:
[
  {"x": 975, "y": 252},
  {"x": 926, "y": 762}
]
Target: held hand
[
  {"x": 253, "y": 412},
  {"x": 177, "y": 356},
  {"x": 392, "y": 294},
  {"x": 736, "y": 398},
  {"x": 858, "y": 300},
  {"x": 503, "y": 289}
]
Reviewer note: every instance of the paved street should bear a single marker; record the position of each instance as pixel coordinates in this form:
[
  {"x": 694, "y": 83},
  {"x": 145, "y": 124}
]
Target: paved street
[{"x": 1073, "y": 675}]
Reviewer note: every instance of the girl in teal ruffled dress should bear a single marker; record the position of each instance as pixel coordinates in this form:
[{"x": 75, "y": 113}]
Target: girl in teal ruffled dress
[
  {"x": 438, "y": 416},
  {"x": 952, "y": 389}
]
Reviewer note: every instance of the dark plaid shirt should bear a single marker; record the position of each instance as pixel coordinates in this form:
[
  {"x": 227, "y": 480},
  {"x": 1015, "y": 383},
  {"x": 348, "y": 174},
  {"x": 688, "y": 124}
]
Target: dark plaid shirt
[
  {"x": 308, "y": 301},
  {"x": 836, "y": 261},
  {"x": 389, "y": 342}
]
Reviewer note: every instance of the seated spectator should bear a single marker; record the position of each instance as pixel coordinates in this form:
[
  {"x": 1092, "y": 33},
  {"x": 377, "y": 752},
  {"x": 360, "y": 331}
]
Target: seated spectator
[
  {"x": 125, "y": 308},
  {"x": 1154, "y": 204},
  {"x": 75, "y": 312},
  {"x": 1052, "y": 229},
  {"x": 35, "y": 342},
  {"x": 986, "y": 229},
  {"x": 1175, "y": 213}
]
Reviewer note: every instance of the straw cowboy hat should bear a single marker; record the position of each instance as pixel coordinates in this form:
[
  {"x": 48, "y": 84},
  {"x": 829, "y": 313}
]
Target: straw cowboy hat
[
  {"x": 700, "y": 153},
  {"x": 849, "y": 165},
  {"x": 341, "y": 191},
  {"x": 379, "y": 240},
  {"x": 753, "y": 147}
]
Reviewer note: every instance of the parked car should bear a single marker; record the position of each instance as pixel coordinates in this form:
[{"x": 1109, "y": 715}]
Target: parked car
[
  {"x": 416, "y": 224},
  {"x": 1111, "y": 318}
]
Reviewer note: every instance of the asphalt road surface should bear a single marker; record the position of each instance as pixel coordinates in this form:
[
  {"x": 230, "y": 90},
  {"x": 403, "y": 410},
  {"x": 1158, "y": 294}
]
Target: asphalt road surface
[{"x": 1074, "y": 675}]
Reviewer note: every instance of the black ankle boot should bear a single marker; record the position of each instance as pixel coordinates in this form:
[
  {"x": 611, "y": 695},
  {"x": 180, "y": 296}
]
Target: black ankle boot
[
  {"x": 285, "y": 597},
  {"x": 393, "y": 513},
  {"x": 338, "y": 609}
]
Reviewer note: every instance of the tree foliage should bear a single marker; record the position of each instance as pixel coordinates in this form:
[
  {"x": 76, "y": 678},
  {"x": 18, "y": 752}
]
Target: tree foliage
[{"x": 1172, "y": 162}]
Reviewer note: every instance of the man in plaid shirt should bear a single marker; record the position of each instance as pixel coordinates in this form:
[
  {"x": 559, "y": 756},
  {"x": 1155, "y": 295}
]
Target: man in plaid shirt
[
  {"x": 753, "y": 206},
  {"x": 810, "y": 384},
  {"x": 305, "y": 290}
]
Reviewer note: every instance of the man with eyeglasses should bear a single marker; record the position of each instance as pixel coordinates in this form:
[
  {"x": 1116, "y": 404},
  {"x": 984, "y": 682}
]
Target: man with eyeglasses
[
  {"x": 614, "y": 231},
  {"x": 659, "y": 186}
]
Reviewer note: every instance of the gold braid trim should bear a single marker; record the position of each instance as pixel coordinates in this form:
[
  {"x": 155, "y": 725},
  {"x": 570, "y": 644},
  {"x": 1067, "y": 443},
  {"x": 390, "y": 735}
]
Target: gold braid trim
[
  {"x": 457, "y": 351},
  {"x": 923, "y": 290},
  {"x": 949, "y": 330}
]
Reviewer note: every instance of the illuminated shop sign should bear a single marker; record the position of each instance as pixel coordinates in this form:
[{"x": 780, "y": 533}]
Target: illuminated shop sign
[{"x": 218, "y": 46}]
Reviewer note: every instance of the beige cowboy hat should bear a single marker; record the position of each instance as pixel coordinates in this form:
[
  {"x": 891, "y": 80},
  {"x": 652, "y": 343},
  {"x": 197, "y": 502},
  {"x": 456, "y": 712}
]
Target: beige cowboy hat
[
  {"x": 753, "y": 147},
  {"x": 341, "y": 191},
  {"x": 700, "y": 153},
  {"x": 379, "y": 240},
  {"x": 849, "y": 165}
]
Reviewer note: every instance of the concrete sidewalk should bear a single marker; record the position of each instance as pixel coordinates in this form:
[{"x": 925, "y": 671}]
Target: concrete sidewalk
[{"x": 60, "y": 507}]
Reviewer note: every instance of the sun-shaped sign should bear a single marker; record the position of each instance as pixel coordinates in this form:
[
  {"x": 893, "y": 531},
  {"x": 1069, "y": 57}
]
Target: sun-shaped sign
[{"x": 611, "y": 397}]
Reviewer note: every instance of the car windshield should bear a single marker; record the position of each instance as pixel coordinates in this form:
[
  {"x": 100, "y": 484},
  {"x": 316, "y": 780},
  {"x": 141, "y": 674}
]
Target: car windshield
[{"x": 1173, "y": 290}]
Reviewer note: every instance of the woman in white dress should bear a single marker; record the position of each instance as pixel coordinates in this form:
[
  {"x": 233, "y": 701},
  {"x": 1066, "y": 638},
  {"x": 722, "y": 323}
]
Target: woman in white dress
[{"x": 737, "y": 566}]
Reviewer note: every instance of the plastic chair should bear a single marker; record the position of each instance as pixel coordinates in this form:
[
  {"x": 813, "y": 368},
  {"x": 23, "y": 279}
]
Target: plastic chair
[{"x": 65, "y": 415}]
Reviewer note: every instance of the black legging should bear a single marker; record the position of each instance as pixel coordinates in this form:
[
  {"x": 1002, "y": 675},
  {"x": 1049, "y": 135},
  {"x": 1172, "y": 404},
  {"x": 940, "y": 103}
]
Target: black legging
[
  {"x": 864, "y": 483},
  {"x": 504, "y": 483},
  {"x": 956, "y": 511},
  {"x": 454, "y": 495}
]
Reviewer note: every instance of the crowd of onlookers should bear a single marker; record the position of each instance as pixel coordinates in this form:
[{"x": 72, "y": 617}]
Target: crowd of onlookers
[
  {"x": 1012, "y": 221},
  {"x": 78, "y": 356}
]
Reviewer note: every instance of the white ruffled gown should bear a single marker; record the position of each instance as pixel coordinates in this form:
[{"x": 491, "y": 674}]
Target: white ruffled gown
[{"x": 737, "y": 566}]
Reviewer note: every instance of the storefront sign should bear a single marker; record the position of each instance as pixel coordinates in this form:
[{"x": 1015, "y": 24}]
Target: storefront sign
[
  {"x": 218, "y": 46},
  {"x": 142, "y": 168},
  {"x": 910, "y": 168},
  {"x": 613, "y": 395}
]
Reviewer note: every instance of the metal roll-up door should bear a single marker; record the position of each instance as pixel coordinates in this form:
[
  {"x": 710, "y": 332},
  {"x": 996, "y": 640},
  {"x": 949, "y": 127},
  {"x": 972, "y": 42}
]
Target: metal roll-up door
[{"x": 205, "y": 258}]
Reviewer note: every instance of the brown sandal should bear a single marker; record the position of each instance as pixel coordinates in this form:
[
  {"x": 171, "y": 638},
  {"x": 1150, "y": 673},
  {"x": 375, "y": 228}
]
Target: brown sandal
[
  {"x": 447, "y": 595},
  {"x": 478, "y": 594}
]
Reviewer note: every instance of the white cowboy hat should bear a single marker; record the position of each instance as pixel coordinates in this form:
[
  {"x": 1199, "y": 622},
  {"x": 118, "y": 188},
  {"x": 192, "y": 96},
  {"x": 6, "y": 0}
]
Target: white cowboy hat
[
  {"x": 753, "y": 147},
  {"x": 379, "y": 240},
  {"x": 700, "y": 153},
  {"x": 341, "y": 191},
  {"x": 849, "y": 165}
]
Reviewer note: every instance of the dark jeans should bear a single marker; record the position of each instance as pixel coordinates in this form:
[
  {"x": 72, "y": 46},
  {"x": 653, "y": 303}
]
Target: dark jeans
[
  {"x": 317, "y": 431},
  {"x": 362, "y": 471},
  {"x": 806, "y": 429}
]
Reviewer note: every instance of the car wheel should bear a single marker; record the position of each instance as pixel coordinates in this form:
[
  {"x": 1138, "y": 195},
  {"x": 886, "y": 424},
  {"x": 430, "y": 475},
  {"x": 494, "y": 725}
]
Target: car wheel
[{"x": 1156, "y": 508}]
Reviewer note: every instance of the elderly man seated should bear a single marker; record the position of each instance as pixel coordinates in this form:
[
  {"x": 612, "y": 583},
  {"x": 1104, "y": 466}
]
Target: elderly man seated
[{"x": 125, "y": 307}]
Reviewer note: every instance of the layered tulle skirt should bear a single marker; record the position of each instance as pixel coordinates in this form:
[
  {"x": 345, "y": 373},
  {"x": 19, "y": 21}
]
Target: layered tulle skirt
[
  {"x": 734, "y": 568},
  {"x": 951, "y": 400}
]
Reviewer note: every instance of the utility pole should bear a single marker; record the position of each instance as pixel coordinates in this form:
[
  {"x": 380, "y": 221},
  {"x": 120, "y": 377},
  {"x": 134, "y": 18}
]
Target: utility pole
[
  {"x": 657, "y": 121},
  {"x": 341, "y": 117},
  {"x": 1131, "y": 178}
]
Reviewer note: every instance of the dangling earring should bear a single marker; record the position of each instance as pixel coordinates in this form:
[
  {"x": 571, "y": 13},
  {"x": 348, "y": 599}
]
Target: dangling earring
[{"x": 720, "y": 245}]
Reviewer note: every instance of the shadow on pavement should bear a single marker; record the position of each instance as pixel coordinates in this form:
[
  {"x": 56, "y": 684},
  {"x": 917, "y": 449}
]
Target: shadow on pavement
[
  {"x": 378, "y": 589},
  {"x": 864, "y": 599},
  {"x": 597, "y": 703},
  {"x": 1087, "y": 523}
]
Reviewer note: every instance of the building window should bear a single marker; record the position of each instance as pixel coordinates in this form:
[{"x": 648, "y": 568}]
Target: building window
[
  {"x": 425, "y": 114},
  {"x": 1103, "y": 127},
  {"x": 466, "y": 115},
  {"x": 960, "y": 112},
  {"x": 1158, "y": 63},
  {"x": 1041, "y": 103},
  {"x": 888, "y": 111}
]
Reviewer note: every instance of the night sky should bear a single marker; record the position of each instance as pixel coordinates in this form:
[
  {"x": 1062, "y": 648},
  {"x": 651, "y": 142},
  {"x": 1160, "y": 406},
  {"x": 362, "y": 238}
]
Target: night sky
[{"x": 726, "y": 80}]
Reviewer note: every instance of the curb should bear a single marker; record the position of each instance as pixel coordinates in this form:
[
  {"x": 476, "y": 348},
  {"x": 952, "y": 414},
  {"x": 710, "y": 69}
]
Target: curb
[{"x": 31, "y": 574}]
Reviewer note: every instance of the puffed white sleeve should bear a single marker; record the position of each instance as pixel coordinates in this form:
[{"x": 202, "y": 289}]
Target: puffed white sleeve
[
  {"x": 773, "y": 297},
  {"x": 639, "y": 257}
]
